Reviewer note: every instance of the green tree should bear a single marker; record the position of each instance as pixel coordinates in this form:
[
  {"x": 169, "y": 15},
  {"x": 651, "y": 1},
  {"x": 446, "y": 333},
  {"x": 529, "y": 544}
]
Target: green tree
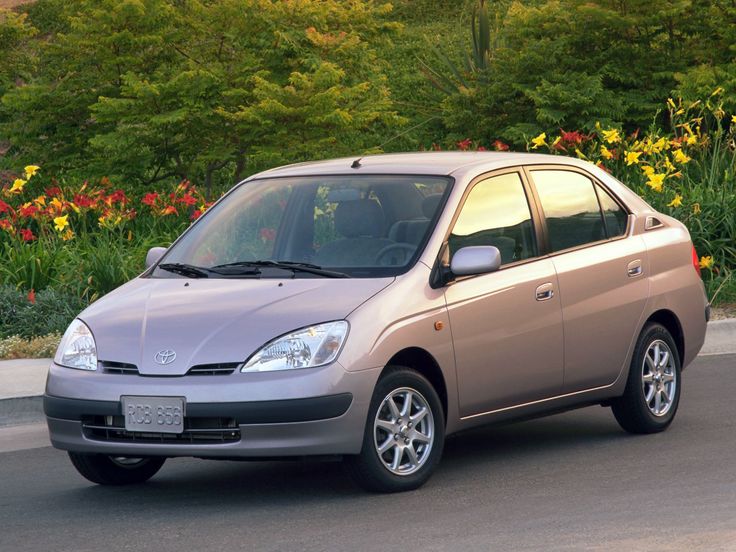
[
  {"x": 152, "y": 89},
  {"x": 570, "y": 63}
]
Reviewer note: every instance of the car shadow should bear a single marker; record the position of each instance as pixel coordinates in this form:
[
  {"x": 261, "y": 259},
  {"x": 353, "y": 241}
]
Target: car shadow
[{"x": 494, "y": 450}]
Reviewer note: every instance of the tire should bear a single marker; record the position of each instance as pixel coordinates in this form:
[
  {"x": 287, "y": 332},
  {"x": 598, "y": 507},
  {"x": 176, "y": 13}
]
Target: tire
[
  {"x": 655, "y": 372},
  {"x": 115, "y": 470},
  {"x": 387, "y": 426}
]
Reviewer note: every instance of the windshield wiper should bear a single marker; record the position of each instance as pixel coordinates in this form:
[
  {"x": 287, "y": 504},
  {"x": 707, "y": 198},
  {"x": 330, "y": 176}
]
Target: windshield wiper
[
  {"x": 188, "y": 270},
  {"x": 192, "y": 271},
  {"x": 289, "y": 265}
]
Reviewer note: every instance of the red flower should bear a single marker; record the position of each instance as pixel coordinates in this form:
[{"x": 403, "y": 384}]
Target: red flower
[
  {"x": 53, "y": 191},
  {"x": 28, "y": 211},
  {"x": 83, "y": 200},
  {"x": 573, "y": 137},
  {"x": 169, "y": 210},
  {"x": 268, "y": 234},
  {"x": 150, "y": 199},
  {"x": 5, "y": 225},
  {"x": 187, "y": 199},
  {"x": 196, "y": 214},
  {"x": 481, "y": 148},
  {"x": 27, "y": 234},
  {"x": 464, "y": 145},
  {"x": 498, "y": 145},
  {"x": 4, "y": 207},
  {"x": 600, "y": 165},
  {"x": 118, "y": 196},
  {"x": 32, "y": 297}
]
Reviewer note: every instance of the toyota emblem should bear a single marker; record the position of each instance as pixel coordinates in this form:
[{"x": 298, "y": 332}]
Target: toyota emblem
[{"x": 167, "y": 356}]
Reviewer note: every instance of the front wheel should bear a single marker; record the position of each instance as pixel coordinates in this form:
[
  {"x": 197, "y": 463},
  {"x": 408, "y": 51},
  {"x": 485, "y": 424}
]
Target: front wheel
[
  {"x": 115, "y": 470},
  {"x": 652, "y": 393},
  {"x": 404, "y": 434}
]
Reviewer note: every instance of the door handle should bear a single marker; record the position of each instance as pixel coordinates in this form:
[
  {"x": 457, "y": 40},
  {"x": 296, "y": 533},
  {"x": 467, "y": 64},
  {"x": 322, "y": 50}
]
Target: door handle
[
  {"x": 634, "y": 268},
  {"x": 545, "y": 292}
]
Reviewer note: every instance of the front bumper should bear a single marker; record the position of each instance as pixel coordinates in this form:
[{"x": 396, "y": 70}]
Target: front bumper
[{"x": 310, "y": 412}]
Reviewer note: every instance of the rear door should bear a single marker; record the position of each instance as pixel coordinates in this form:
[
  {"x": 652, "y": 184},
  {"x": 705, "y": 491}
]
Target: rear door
[
  {"x": 506, "y": 325},
  {"x": 601, "y": 271}
]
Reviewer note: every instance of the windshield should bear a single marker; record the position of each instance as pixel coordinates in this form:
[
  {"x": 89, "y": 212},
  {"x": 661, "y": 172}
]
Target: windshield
[{"x": 356, "y": 226}]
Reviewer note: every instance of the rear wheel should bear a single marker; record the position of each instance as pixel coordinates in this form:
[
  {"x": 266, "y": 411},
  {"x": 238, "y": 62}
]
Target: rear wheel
[
  {"x": 652, "y": 393},
  {"x": 115, "y": 470},
  {"x": 404, "y": 434}
]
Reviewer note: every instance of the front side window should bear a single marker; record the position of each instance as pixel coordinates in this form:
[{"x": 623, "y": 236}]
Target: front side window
[
  {"x": 570, "y": 207},
  {"x": 359, "y": 226},
  {"x": 496, "y": 212}
]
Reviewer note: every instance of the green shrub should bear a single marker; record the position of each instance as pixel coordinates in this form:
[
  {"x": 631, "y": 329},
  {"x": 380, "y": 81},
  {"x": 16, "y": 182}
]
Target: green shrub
[{"x": 51, "y": 312}]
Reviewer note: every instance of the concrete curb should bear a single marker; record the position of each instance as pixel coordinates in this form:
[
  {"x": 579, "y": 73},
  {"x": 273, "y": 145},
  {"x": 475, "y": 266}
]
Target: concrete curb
[
  {"x": 22, "y": 381},
  {"x": 21, "y": 410},
  {"x": 720, "y": 338}
]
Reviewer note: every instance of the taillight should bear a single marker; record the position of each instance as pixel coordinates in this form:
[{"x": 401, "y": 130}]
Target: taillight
[{"x": 696, "y": 261}]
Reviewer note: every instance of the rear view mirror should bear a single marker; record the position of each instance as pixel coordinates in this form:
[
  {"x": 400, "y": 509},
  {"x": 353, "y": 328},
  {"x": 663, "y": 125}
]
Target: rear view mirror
[
  {"x": 476, "y": 259},
  {"x": 153, "y": 255}
]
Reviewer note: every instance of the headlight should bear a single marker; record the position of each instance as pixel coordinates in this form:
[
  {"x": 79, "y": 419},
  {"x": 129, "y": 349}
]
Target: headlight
[
  {"x": 77, "y": 348},
  {"x": 305, "y": 348}
]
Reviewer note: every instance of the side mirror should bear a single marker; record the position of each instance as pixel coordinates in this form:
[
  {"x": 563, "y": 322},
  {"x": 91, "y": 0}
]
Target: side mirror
[
  {"x": 153, "y": 255},
  {"x": 475, "y": 259}
]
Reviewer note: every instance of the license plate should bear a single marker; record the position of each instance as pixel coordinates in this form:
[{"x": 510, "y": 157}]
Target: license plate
[{"x": 154, "y": 414}]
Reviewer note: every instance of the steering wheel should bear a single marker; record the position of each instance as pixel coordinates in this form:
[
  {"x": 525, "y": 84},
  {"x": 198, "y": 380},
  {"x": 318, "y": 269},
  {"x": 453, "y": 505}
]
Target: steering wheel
[{"x": 406, "y": 248}]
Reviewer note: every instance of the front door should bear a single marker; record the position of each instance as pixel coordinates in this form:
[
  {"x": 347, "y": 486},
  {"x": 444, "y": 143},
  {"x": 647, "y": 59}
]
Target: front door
[{"x": 506, "y": 325}]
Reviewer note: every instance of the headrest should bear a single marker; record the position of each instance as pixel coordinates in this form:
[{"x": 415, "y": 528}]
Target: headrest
[
  {"x": 430, "y": 204},
  {"x": 363, "y": 217}
]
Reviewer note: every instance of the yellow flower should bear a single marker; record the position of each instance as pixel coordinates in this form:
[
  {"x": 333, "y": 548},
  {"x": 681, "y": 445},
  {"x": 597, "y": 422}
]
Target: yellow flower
[
  {"x": 676, "y": 202},
  {"x": 692, "y": 140},
  {"x": 605, "y": 152},
  {"x": 557, "y": 141},
  {"x": 668, "y": 164},
  {"x": 61, "y": 222},
  {"x": 696, "y": 208},
  {"x": 30, "y": 170},
  {"x": 632, "y": 157},
  {"x": 671, "y": 103},
  {"x": 717, "y": 91},
  {"x": 539, "y": 141},
  {"x": 681, "y": 157},
  {"x": 649, "y": 171},
  {"x": 656, "y": 181},
  {"x": 40, "y": 201},
  {"x": 17, "y": 186},
  {"x": 733, "y": 119},
  {"x": 611, "y": 136},
  {"x": 580, "y": 154},
  {"x": 68, "y": 235},
  {"x": 706, "y": 262}
]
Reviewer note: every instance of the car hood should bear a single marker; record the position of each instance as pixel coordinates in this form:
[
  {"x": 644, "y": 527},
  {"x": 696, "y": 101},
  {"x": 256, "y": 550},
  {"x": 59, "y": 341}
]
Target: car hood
[{"x": 208, "y": 321}]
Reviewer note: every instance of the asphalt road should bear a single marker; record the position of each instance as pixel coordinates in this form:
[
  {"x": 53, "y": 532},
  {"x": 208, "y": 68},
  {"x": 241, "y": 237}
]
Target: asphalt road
[{"x": 573, "y": 481}]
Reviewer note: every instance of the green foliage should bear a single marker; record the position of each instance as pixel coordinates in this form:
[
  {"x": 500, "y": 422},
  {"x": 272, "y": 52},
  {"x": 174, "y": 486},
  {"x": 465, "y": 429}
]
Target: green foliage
[
  {"x": 51, "y": 312},
  {"x": 571, "y": 63},
  {"x": 152, "y": 89}
]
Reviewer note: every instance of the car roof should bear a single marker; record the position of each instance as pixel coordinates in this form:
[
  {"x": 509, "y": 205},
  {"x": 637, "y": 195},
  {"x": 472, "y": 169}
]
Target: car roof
[
  {"x": 458, "y": 164},
  {"x": 429, "y": 163}
]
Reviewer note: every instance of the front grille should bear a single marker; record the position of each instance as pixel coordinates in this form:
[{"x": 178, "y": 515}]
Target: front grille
[
  {"x": 197, "y": 431},
  {"x": 121, "y": 368},
  {"x": 125, "y": 369},
  {"x": 221, "y": 369}
]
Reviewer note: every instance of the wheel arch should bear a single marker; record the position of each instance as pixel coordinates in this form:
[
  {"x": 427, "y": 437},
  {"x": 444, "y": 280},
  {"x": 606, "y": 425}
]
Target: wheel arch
[
  {"x": 423, "y": 362},
  {"x": 669, "y": 320}
]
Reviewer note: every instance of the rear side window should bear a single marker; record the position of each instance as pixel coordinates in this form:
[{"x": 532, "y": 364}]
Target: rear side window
[
  {"x": 614, "y": 216},
  {"x": 570, "y": 207},
  {"x": 496, "y": 213}
]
